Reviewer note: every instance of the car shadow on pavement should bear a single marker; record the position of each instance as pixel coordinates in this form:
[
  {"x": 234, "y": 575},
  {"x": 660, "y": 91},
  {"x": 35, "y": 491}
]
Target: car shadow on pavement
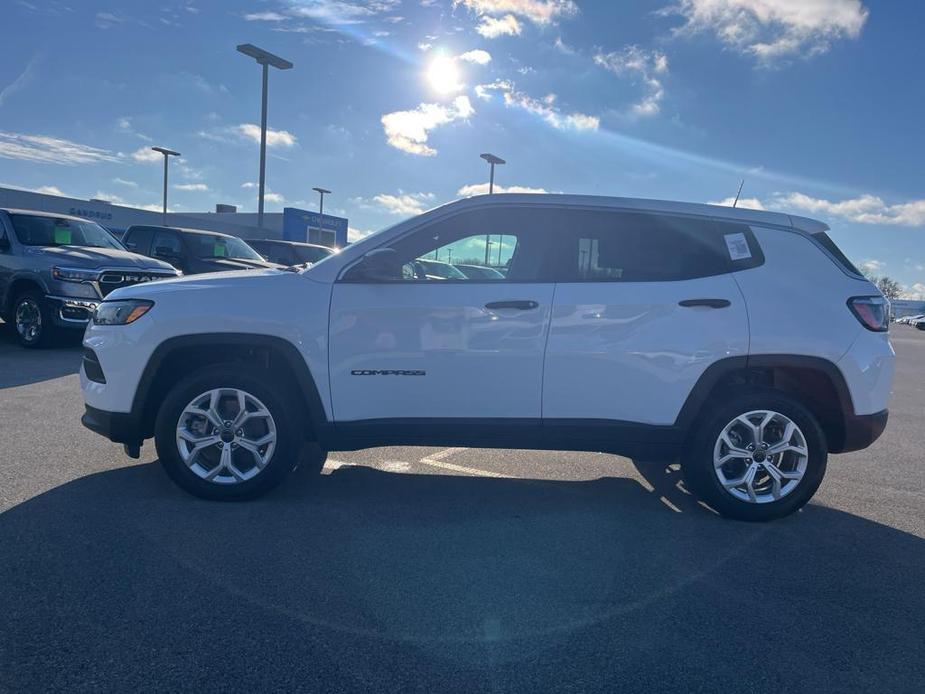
[
  {"x": 20, "y": 366},
  {"x": 362, "y": 580}
]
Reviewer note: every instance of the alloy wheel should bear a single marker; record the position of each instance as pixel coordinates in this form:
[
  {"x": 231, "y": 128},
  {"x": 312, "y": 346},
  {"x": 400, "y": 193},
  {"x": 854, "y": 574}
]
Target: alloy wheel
[
  {"x": 28, "y": 319},
  {"x": 760, "y": 456},
  {"x": 226, "y": 436}
]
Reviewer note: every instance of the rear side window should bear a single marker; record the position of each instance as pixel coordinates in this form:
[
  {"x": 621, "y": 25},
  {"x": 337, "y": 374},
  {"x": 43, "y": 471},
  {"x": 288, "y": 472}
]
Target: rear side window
[
  {"x": 602, "y": 246},
  {"x": 828, "y": 244}
]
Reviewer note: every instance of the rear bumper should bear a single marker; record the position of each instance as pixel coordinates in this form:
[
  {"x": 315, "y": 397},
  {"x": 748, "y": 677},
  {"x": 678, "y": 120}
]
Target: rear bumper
[
  {"x": 862, "y": 430},
  {"x": 119, "y": 427}
]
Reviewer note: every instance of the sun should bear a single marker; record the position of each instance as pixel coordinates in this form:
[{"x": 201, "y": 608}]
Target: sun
[{"x": 443, "y": 75}]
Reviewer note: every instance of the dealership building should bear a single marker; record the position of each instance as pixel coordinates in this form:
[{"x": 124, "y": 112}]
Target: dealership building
[{"x": 291, "y": 224}]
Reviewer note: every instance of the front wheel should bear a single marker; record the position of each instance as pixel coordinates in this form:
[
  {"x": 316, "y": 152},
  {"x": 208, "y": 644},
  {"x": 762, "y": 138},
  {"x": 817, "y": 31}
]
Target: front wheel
[
  {"x": 227, "y": 434},
  {"x": 32, "y": 319},
  {"x": 757, "y": 456}
]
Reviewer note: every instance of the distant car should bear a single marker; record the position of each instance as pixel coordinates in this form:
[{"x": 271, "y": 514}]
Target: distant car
[
  {"x": 56, "y": 269},
  {"x": 193, "y": 251},
  {"x": 290, "y": 252},
  {"x": 479, "y": 272},
  {"x": 435, "y": 269},
  {"x": 920, "y": 324},
  {"x": 912, "y": 320}
]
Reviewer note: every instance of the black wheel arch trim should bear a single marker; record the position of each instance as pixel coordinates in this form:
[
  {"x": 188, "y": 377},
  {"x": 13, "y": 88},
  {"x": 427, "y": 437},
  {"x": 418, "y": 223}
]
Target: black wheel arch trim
[
  {"x": 293, "y": 358},
  {"x": 729, "y": 367}
]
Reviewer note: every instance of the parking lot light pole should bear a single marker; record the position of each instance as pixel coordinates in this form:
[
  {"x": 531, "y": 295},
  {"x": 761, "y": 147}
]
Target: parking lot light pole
[
  {"x": 492, "y": 160},
  {"x": 167, "y": 154},
  {"x": 321, "y": 193},
  {"x": 265, "y": 59}
]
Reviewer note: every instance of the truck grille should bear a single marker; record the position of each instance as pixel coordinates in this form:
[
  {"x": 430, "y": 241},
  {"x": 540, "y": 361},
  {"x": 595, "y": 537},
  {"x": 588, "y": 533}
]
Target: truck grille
[{"x": 111, "y": 280}]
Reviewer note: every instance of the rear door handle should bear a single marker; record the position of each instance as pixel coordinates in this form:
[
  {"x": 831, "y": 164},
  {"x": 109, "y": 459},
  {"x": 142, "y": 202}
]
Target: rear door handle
[
  {"x": 709, "y": 303},
  {"x": 521, "y": 305}
]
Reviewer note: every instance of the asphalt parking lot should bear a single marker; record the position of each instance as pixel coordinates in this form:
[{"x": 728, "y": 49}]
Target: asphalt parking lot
[{"x": 432, "y": 570}]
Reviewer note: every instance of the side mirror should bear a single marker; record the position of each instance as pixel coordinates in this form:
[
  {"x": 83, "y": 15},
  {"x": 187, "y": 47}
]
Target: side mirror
[
  {"x": 379, "y": 265},
  {"x": 4, "y": 244}
]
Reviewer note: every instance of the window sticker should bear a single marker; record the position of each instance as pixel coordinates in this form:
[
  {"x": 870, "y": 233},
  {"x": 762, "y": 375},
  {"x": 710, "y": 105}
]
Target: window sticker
[
  {"x": 62, "y": 235},
  {"x": 737, "y": 245},
  {"x": 219, "y": 250}
]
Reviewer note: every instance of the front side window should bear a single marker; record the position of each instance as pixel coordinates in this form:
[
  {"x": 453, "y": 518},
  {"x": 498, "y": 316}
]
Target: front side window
[
  {"x": 206, "y": 246},
  {"x": 35, "y": 230},
  {"x": 493, "y": 245}
]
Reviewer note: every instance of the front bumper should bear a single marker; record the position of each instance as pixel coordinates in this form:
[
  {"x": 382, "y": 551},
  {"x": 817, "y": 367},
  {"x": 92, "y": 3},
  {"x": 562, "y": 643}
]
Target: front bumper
[
  {"x": 862, "y": 430},
  {"x": 119, "y": 427}
]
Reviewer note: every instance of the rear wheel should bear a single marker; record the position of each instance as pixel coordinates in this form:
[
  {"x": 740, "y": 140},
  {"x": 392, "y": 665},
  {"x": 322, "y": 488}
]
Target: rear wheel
[
  {"x": 228, "y": 435},
  {"x": 32, "y": 319},
  {"x": 756, "y": 456}
]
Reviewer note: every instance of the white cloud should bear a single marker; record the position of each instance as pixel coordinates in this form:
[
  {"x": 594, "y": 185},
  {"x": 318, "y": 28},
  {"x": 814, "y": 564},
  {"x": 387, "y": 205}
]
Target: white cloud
[
  {"x": 492, "y": 27},
  {"x": 146, "y": 155},
  {"x": 872, "y": 266},
  {"x": 404, "y": 203},
  {"x": 51, "y": 150},
  {"x": 275, "y": 138},
  {"x": 424, "y": 46},
  {"x": 916, "y": 292},
  {"x": 50, "y": 190},
  {"x": 336, "y": 12},
  {"x": 478, "y": 56},
  {"x": 750, "y": 203},
  {"x": 482, "y": 189},
  {"x": 108, "y": 197},
  {"x": 265, "y": 17},
  {"x": 639, "y": 63},
  {"x": 124, "y": 182},
  {"x": 546, "y": 108},
  {"x": 357, "y": 234},
  {"x": 275, "y": 198},
  {"x": 536, "y": 11},
  {"x": 409, "y": 130},
  {"x": 192, "y": 187},
  {"x": 22, "y": 81},
  {"x": 125, "y": 125},
  {"x": 864, "y": 209},
  {"x": 772, "y": 29}
]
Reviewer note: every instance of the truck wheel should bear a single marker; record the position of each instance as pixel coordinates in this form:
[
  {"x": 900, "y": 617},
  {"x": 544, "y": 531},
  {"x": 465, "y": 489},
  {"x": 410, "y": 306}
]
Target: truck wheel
[
  {"x": 227, "y": 434},
  {"x": 32, "y": 319},
  {"x": 756, "y": 456}
]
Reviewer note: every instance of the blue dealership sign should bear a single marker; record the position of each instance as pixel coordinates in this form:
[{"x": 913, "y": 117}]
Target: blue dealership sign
[{"x": 296, "y": 225}]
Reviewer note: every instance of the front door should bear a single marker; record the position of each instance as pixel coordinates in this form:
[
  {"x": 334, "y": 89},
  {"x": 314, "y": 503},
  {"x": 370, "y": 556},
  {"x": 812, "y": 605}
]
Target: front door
[{"x": 458, "y": 332}]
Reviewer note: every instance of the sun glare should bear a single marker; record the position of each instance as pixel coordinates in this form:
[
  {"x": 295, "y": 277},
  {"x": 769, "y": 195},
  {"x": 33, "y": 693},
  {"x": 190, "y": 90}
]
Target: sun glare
[{"x": 443, "y": 75}]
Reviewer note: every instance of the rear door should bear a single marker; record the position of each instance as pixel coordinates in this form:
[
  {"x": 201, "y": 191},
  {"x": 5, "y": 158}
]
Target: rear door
[{"x": 644, "y": 304}]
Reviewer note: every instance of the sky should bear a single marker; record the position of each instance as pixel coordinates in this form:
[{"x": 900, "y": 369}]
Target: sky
[{"x": 816, "y": 104}]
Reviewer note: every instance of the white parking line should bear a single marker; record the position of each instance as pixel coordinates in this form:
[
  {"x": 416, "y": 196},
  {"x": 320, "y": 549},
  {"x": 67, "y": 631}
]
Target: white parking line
[{"x": 436, "y": 460}]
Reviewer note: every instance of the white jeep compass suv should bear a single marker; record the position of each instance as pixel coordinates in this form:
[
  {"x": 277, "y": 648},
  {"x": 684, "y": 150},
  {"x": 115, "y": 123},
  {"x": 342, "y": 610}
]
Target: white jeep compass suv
[{"x": 741, "y": 343}]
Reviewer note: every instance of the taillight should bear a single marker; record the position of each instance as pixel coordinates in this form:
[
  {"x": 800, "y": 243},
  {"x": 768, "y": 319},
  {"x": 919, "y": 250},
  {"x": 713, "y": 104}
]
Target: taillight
[{"x": 872, "y": 311}]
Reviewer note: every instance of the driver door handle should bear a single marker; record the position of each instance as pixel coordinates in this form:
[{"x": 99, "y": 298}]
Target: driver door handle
[
  {"x": 520, "y": 304},
  {"x": 710, "y": 303}
]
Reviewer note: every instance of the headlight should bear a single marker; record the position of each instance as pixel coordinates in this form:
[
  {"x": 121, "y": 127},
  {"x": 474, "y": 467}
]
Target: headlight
[
  {"x": 121, "y": 312},
  {"x": 68, "y": 274}
]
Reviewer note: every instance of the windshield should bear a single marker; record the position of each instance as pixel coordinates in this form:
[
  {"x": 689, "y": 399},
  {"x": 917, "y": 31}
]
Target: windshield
[
  {"x": 35, "y": 230},
  {"x": 205, "y": 246}
]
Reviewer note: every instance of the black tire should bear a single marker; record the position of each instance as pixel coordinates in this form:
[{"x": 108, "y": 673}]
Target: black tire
[
  {"x": 46, "y": 329},
  {"x": 289, "y": 448},
  {"x": 697, "y": 461}
]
